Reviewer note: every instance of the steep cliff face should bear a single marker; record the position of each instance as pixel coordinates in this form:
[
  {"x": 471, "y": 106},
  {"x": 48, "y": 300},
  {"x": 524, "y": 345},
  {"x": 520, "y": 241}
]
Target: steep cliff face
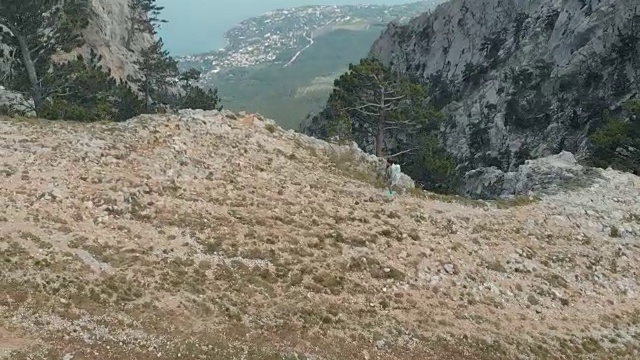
[
  {"x": 107, "y": 35},
  {"x": 520, "y": 79}
]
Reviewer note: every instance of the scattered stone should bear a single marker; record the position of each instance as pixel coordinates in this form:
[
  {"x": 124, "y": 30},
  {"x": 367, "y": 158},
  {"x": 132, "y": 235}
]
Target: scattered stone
[
  {"x": 531, "y": 299},
  {"x": 449, "y": 268}
]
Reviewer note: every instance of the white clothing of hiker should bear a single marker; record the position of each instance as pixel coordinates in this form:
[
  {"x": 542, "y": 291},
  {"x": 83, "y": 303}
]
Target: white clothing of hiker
[{"x": 392, "y": 175}]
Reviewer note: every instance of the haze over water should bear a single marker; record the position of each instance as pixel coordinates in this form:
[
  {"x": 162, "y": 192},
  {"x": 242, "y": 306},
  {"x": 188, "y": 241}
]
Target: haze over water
[{"x": 197, "y": 26}]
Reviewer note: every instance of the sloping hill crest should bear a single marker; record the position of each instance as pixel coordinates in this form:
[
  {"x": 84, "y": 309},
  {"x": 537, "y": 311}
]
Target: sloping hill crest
[{"x": 218, "y": 235}]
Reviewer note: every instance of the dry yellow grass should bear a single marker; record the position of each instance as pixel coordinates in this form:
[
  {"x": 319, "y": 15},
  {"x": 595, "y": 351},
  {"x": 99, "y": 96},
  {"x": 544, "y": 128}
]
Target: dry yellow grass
[{"x": 206, "y": 237}]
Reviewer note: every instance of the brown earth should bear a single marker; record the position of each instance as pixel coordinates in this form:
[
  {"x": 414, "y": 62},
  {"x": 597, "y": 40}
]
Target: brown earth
[{"x": 206, "y": 237}]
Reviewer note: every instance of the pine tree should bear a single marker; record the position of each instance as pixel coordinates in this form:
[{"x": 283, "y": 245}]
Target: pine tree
[
  {"x": 38, "y": 29},
  {"x": 370, "y": 102},
  {"x": 617, "y": 142},
  {"x": 90, "y": 93},
  {"x": 190, "y": 75},
  {"x": 195, "y": 97},
  {"x": 198, "y": 98},
  {"x": 392, "y": 114},
  {"x": 156, "y": 68},
  {"x": 144, "y": 17}
]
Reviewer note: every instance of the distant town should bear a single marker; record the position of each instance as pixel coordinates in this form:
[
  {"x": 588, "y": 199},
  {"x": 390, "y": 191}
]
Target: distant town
[{"x": 265, "y": 38}]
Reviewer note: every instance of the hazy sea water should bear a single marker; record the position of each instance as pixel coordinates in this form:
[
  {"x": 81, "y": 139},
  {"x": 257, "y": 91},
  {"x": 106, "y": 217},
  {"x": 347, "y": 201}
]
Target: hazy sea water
[{"x": 197, "y": 26}]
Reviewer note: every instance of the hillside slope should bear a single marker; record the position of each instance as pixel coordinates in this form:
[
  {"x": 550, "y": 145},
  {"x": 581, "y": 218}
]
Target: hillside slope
[
  {"x": 521, "y": 79},
  {"x": 220, "y": 236}
]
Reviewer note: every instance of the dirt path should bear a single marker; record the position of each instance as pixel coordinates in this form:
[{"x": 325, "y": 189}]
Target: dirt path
[{"x": 293, "y": 59}]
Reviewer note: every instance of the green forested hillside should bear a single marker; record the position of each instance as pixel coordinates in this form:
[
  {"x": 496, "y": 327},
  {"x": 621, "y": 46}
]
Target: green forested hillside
[{"x": 290, "y": 93}]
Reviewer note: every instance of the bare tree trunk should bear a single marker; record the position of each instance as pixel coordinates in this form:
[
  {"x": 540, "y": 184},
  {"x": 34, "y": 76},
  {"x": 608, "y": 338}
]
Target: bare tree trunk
[
  {"x": 381, "y": 125},
  {"x": 31, "y": 72},
  {"x": 380, "y": 136},
  {"x": 133, "y": 18},
  {"x": 146, "y": 96},
  {"x": 130, "y": 32}
]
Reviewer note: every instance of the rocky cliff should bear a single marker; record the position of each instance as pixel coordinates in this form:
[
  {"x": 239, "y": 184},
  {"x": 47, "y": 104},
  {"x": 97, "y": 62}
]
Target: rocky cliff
[
  {"x": 210, "y": 235},
  {"x": 107, "y": 34},
  {"x": 520, "y": 79}
]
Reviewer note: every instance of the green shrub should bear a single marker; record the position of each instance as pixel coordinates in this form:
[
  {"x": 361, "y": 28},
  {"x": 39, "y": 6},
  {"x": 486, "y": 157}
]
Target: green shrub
[
  {"x": 83, "y": 91},
  {"x": 198, "y": 98},
  {"x": 617, "y": 142}
]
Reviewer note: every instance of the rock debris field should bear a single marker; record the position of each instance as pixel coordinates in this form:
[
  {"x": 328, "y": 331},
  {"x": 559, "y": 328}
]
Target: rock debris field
[{"x": 209, "y": 235}]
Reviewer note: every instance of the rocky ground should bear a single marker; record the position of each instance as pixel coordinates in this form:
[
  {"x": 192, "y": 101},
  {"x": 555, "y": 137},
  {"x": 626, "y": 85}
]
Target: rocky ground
[{"x": 208, "y": 237}]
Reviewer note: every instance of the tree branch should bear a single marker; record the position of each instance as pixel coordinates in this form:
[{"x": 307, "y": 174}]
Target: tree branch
[
  {"x": 367, "y": 112},
  {"x": 401, "y": 152},
  {"x": 57, "y": 90},
  {"x": 403, "y": 122},
  {"x": 36, "y": 49},
  {"x": 393, "y": 91},
  {"x": 390, "y": 106},
  {"x": 364, "y": 106},
  {"x": 10, "y": 27}
]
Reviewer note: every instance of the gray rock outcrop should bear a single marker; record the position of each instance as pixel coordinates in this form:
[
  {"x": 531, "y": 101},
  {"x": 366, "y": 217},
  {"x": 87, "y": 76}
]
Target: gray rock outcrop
[
  {"x": 520, "y": 79},
  {"x": 544, "y": 176},
  {"x": 361, "y": 160},
  {"x": 13, "y": 103}
]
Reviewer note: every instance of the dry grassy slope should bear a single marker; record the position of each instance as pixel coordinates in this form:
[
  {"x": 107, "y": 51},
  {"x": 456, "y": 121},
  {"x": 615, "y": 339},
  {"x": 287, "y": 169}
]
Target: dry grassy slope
[{"x": 173, "y": 237}]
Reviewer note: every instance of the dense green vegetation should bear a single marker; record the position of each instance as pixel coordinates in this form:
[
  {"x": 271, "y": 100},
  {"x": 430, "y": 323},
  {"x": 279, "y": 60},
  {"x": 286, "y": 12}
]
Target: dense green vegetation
[
  {"x": 617, "y": 142},
  {"x": 91, "y": 93},
  {"x": 36, "y": 30},
  {"x": 288, "y": 94},
  {"x": 81, "y": 89},
  {"x": 390, "y": 115}
]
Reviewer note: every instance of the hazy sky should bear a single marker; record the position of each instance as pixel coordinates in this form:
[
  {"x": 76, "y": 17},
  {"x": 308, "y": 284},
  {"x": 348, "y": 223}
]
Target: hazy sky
[{"x": 197, "y": 25}]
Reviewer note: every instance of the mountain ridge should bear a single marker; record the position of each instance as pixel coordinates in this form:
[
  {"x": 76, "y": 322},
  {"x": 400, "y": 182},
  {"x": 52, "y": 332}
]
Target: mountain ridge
[
  {"x": 221, "y": 235},
  {"x": 517, "y": 79}
]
